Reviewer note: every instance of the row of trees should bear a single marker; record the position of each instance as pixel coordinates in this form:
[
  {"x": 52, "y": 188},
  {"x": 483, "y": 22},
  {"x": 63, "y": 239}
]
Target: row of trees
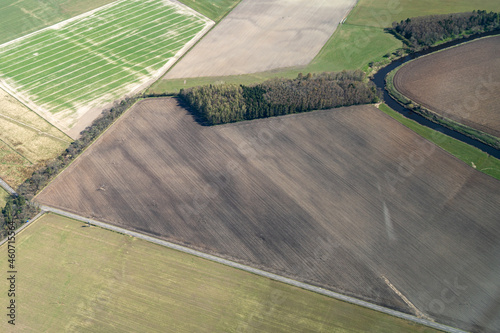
[
  {"x": 18, "y": 208},
  {"x": 422, "y": 32},
  {"x": 225, "y": 103}
]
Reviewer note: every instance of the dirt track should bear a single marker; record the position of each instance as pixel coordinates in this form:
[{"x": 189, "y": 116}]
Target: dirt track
[
  {"x": 338, "y": 198},
  {"x": 262, "y": 35},
  {"x": 461, "y": 83}
]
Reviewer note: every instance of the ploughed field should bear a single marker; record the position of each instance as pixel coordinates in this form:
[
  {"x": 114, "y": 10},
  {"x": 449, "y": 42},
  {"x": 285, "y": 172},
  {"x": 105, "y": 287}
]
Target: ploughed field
[
  {"x": 68, "y": 71},
  {"x": 460, "y": 83},
  {"x": 347, "y": 199},
  {"x": 257, "y": 36}
]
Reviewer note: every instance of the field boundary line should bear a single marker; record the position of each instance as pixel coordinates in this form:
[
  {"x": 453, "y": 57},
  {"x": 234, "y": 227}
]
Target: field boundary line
[
  {"x": 26, "y": 103},
  {"x": 96, "y": 54},
  {"x": 419, "y": 313},
  {"x": 160, "y": 72},
  {"x": 435, "y": 116},
  {"x": 17, "y": 152},
  {"x": 255, "y": 271}
]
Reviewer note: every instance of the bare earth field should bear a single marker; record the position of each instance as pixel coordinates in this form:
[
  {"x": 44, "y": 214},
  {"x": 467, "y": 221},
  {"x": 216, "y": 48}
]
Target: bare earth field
[
  {"x": 258, "y": 36},
  {"x": 347, "y": 199},
  {"x": 461, "y": 83}
]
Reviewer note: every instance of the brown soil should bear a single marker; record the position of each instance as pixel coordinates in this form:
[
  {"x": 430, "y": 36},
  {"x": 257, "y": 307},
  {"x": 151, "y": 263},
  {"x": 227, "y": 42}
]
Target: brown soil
[
  {"x": 461, "y": 83},
  {"x": 338, "y": 198}
]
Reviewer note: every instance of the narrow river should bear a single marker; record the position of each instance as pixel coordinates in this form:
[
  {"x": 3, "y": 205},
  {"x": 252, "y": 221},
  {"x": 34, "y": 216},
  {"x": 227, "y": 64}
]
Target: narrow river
[{"x": 379, "y": 80}]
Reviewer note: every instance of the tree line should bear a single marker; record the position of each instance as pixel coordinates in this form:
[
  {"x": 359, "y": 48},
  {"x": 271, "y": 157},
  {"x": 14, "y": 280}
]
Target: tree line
[
  {"x": 19, "y": 209},
  {"x": 424, "y": 31},
  {"x": 225, "y": 103}
]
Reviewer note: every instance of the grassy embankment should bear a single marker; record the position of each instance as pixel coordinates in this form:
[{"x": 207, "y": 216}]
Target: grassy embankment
[{"x": 96, "y": 280}]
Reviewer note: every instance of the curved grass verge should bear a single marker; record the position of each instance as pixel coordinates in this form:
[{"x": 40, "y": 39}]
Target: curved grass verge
[
  {"x": 485, "y": 138},
  {"x": 464, "y": 152}
]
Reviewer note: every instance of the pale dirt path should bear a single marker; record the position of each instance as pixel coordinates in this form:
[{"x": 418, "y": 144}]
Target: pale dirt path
[{"x": 256, "y": 271}]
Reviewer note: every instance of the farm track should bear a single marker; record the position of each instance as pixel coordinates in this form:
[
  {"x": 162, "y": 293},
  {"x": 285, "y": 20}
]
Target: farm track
[
  {"x": 460, "y": 83},
  {"x": 330, "y": 198}
]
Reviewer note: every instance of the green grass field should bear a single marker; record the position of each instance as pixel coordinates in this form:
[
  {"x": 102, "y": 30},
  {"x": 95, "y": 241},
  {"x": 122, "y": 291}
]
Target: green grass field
[
  {"x": 76, "y": 278},
  {"x": 470, "y": 155},
  {"x": 18, "y": 18},
  {"x": 98, "y": 58},
  {"x": 214, "y": 9}
]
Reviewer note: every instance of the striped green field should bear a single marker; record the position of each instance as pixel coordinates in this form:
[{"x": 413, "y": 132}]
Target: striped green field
[{"x": 65, "y": 70}]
